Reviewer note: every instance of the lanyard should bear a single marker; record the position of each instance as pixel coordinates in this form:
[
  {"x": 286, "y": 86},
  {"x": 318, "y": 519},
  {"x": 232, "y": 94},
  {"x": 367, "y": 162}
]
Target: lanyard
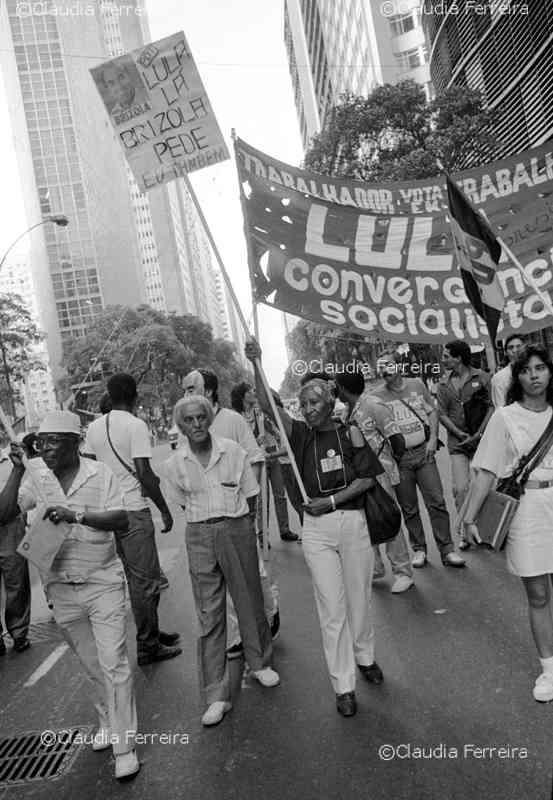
[{"x": 334, "y": 488}]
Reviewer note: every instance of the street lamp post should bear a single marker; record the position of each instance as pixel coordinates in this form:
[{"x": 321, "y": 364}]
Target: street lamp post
[{"x": 57, "y": 219}]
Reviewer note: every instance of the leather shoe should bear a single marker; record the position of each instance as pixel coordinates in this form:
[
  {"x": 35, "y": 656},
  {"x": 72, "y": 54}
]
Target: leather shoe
[
  {"x": 162, "y": 653},
  {"x": 371, "y": 672},
  {"x": 168, "y": 639},
  {"x": 346, "y": 705},
  {"x": 289, "y": 537},
  {"x": 3, "y": 648},
  {"x": 21, "y": 644}
]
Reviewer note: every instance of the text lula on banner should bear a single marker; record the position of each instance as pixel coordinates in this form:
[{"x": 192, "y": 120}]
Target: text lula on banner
[
  {"x": 379, "y": 258},
  {"x": 160, "y": 111}
]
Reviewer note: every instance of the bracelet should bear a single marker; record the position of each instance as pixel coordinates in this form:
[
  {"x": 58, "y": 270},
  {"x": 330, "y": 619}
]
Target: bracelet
[{"x": 333, "y": 502}]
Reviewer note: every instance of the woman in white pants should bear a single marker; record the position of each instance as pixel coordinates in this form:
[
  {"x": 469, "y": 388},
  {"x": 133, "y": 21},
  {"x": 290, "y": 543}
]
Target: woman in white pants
[{"x": 337, "y": 467}]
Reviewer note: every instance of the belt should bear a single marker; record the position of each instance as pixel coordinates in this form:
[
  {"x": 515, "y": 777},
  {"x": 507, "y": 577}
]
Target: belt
[
  {"x": 211, "y": 520},
  {"x": 538, "y": 484}
]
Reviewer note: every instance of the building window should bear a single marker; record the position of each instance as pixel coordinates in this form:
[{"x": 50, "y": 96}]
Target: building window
[
  {"x": 411, "y": 59},
  {"x": 402, "y": 23}
]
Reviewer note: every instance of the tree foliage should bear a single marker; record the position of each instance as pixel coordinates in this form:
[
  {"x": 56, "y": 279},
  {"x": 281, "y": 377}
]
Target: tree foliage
[
  {"x": 18, "y": 339},
  {"x": 395, "y": 134},
  {"x": 158, "y": 349}
]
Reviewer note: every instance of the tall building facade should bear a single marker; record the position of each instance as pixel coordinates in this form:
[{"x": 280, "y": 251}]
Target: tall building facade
[
  {"x": 121, "y": 247},
  {"x": 37, "y": 393},
  {"x": 341, "y": 46},
  {"x": 507, "y": 53}
]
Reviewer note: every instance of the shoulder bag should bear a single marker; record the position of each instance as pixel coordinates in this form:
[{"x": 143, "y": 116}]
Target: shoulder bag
[
  {"x": 382, "y": 513},
  {"x": 498, "y": 509}
]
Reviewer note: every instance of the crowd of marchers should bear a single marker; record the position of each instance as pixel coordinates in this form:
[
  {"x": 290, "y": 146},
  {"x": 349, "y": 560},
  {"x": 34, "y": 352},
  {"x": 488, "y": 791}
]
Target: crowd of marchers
[{"x": 87, "y": 501}]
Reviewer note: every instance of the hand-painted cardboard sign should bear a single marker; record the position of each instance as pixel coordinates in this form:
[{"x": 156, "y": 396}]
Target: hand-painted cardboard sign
[{"x": 160, "y": 111}]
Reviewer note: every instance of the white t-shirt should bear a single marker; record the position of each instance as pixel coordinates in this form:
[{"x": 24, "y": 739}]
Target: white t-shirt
[
  {"x": 131, "y": 439},
  {"x": 501, "y": 382}
]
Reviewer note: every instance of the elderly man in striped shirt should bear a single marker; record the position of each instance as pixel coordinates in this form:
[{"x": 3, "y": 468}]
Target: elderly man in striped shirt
[
  {"x": 212, "y": 479},
  {"x": 83, "y": 576}
]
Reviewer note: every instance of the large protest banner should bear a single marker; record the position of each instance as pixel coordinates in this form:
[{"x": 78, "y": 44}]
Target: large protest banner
[
  {"x": 160, "y": 111},
  {"x": 379, "y": 258}
]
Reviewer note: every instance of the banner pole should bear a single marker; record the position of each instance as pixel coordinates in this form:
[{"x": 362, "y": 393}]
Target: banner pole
[{"x": 247, "y": 332}]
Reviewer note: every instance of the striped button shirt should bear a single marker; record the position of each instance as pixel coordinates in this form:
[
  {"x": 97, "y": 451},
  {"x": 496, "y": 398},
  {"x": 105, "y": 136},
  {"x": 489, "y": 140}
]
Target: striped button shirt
[
  {"x": 87, "y": 552},
  {"x": 218, "y": 490}
]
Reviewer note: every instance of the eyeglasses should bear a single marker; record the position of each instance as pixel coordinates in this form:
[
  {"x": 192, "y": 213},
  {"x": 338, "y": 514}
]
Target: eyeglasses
[{"x": 51, "y": 440}]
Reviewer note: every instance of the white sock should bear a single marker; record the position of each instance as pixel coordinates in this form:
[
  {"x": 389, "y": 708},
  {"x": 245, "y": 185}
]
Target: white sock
[{"x": 547, "y": 665}]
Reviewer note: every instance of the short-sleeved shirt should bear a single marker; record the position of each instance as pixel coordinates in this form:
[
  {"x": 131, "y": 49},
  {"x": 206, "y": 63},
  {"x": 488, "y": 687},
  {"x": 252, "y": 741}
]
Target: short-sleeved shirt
[
  {"x": 500, "y": 384},
  {"x": 414, "y": 393},
  {"x": 376, "y": 422},
  {"x": 327, "y": 461},
  {"x": 220, "y": 489},
  {"x": 510, "y": 434},
  {"x": 86, "y": 552},
  {"x": 131, "y": 439},
  {"x": 451, "y": 399}
]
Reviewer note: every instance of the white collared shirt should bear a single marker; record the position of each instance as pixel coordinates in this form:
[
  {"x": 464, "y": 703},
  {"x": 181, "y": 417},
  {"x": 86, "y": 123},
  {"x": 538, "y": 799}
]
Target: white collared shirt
[
  {"x": 86, "y": 551},
  {"x": 219, "y": 490}
]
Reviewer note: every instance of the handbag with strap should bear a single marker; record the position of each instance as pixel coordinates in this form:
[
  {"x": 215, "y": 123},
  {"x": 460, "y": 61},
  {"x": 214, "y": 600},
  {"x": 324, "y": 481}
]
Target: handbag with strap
[
  {"x": 498, "y": 509},
  {"x": 425, "y": 425},
  {"x": 382, "y": 513}
]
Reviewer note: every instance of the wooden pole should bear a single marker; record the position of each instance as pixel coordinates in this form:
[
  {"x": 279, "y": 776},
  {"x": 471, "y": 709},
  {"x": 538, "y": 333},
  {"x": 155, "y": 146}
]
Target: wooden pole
[{"x": 240, "y": 313}]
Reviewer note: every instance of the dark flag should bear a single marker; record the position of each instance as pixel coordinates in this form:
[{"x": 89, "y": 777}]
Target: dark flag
[{"x": 478, "y": 252}]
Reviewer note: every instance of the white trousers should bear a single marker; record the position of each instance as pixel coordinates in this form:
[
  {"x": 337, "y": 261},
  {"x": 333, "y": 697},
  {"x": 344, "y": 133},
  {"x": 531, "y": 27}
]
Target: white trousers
[
  {"x": 92, "y": 617},
  {"x": 338, "y": 552}
]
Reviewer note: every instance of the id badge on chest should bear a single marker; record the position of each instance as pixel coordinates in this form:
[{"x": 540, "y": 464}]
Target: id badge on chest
[{"x": 332, "y": 462}]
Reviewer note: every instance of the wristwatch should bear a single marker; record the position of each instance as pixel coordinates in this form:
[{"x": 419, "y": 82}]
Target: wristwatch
[{"x": 79, "y": 517}]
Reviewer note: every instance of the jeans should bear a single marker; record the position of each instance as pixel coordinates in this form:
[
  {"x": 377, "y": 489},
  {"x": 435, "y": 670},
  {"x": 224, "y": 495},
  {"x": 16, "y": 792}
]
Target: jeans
[
  {"x": 92, "y": 617},
  {"x": 338, "y": 552},
  {"x": 396, "y": 548},
  {"x": 14, "y": 570},
  {"x": 138, "y": 552},
  {"x": 415, "y": 469},
  {"x": 224, "y": 554}
]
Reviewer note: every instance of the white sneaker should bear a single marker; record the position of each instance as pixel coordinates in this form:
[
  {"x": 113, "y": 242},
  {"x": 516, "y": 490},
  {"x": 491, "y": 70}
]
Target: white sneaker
[
  {"x": 419, "y": 559},
  {"x": 267, "y": 677},
  {"x": 543, "y": 688},
  {"x": 401, "y": 584},
  {"x": 102, "y": 739},
  {"x": 216, "y": 712},
  {"x": 126, "y": 765}
]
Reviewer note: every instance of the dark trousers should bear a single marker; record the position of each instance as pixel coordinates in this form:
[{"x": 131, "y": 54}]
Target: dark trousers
[
  {"x": 223, "y": 555},
  {"x": 138, "y": 552},
  {"x": 276, "y": 480},
  {"x": 416, "y": 470},
  {"x": 292, "y": 490},
  {"x": 17, "y": 613},
  {"x": 14, "y": 570}
]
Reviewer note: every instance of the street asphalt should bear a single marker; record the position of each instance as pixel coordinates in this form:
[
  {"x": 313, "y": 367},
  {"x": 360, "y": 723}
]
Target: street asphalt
[{"x": 453, "y": 719}]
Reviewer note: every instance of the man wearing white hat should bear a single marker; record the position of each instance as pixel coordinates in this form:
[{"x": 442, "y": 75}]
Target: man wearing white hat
[{"x": 85, "y": 578}]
